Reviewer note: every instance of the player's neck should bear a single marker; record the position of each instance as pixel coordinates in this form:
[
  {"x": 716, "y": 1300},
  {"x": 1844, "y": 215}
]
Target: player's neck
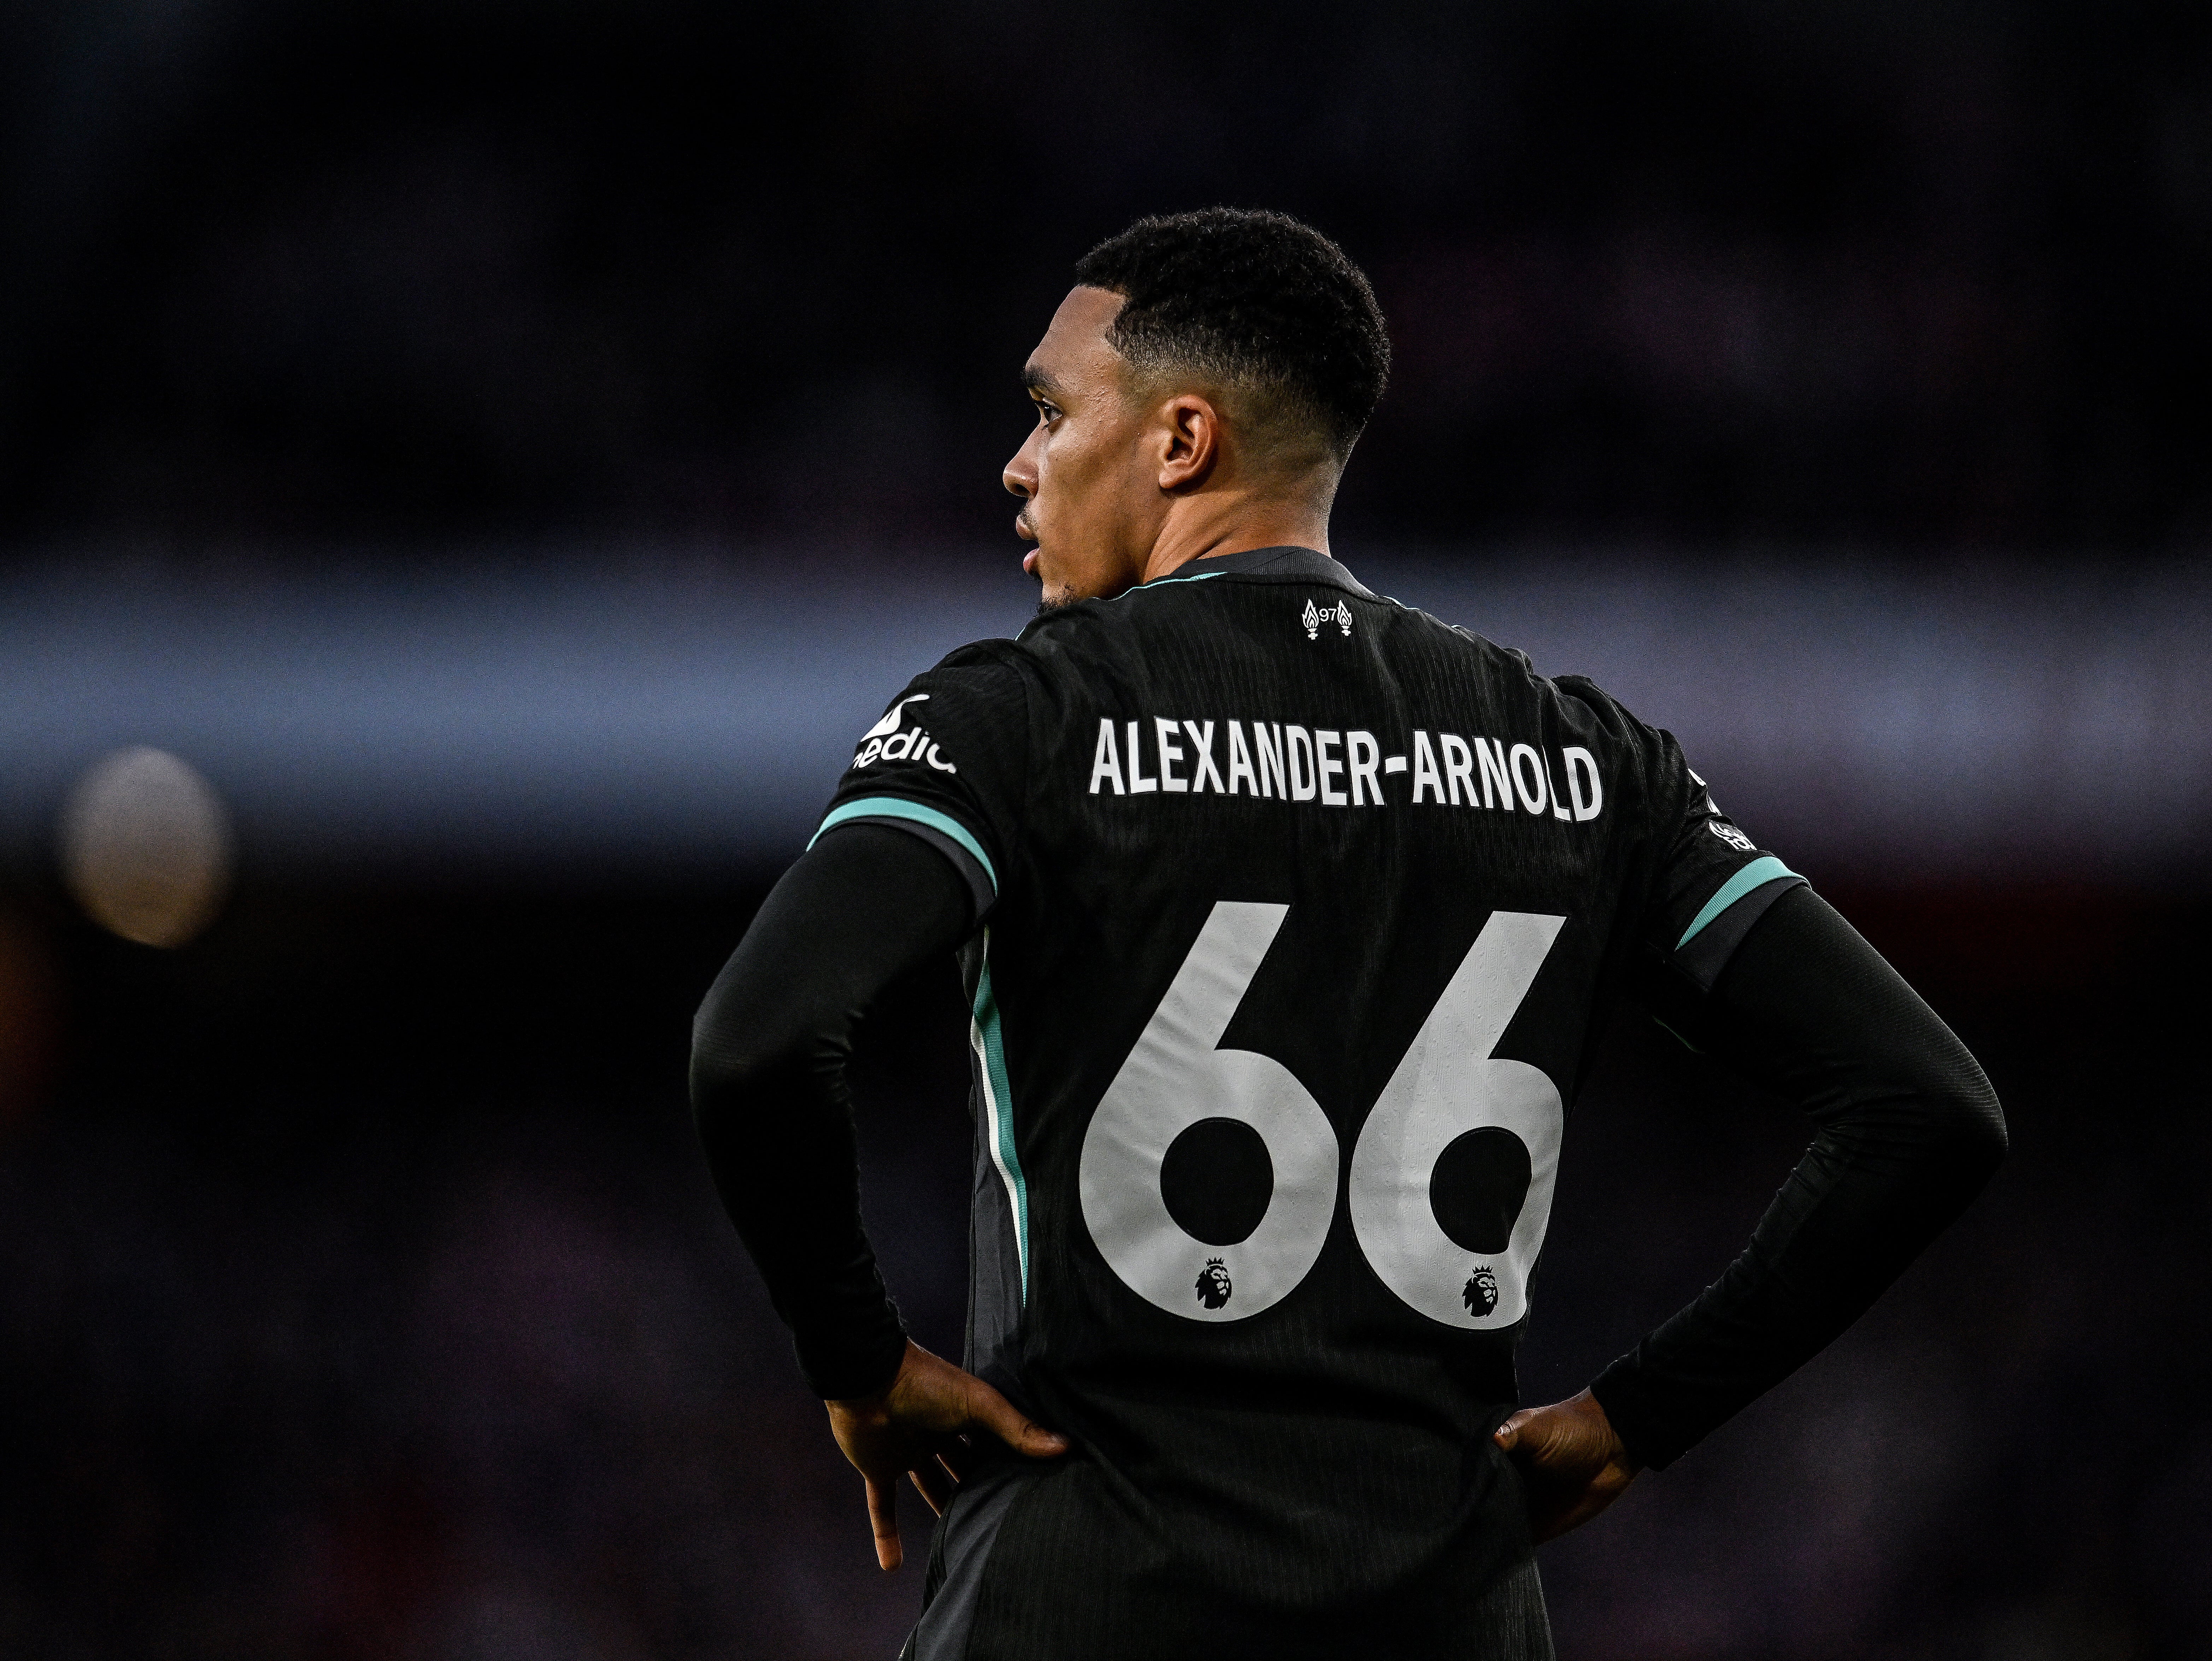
[{"x": 1205, "y": 527}]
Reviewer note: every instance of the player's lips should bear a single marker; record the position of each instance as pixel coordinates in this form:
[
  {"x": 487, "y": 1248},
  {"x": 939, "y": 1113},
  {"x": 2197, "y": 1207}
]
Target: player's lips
[{"x": 1030, "y": 560}]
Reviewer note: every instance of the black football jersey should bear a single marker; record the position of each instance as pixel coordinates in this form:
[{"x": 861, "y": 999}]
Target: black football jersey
[{"x": 1299, "y": 912}]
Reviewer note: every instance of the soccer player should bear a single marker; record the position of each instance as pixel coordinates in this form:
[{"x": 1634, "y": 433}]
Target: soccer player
[{"x": 1289, "y": 917}]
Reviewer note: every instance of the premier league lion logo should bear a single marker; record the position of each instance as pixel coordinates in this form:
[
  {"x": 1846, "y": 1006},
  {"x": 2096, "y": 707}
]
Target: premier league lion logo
[
  {"x": 1481, "y": 1291},
  {"x": 1213, "y": 1283}
]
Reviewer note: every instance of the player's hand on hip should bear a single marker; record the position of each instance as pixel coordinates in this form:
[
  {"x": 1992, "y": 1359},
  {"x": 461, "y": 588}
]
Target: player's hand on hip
[
  {"x": 1571, "y": 1464},
  {"x": 922, "y": 1424}
]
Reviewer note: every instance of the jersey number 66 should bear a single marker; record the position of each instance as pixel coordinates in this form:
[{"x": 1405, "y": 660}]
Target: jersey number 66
[{"x": 1447, "y": 1085}]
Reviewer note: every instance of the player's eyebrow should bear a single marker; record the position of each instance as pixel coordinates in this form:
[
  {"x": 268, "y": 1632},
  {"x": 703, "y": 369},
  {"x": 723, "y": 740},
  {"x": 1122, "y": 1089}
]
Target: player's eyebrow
[{"x": 1035, "y": 381}]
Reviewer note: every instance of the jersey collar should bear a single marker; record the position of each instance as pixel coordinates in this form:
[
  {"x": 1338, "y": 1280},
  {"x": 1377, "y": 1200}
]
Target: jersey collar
[{"x": 1282, "y": 564}]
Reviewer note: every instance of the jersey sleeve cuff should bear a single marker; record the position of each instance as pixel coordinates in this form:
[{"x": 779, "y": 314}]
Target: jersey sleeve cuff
[
  {"x": 842, "y": 1367},
  {"x": 933, "y": 825},
  {"x": 1719, "y": 927},
  {"x": 1620, "y": 1391}
]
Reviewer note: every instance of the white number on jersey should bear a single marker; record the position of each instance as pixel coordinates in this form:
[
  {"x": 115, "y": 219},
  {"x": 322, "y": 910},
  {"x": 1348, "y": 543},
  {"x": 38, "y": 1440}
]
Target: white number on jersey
[
  {"x": 1172, "y": 1080},
  {"x": 1447, "y": 1084}
]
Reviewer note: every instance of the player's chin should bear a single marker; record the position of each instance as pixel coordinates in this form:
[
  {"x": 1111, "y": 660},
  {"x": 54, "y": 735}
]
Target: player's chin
[{"x": 1053, "y": 594}]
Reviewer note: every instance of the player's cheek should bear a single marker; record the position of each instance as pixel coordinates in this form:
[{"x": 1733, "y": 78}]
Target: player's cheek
[
  {"x": 1058, "y": 487},
  {"x": 1076, "y": 465}
]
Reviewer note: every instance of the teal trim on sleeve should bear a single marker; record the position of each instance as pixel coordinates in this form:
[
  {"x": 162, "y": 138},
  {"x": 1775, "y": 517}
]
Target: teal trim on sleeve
[
  {"x": 898, "y": 807},
  {"x": 1761, "y": 871},
  {"x": 999, "y": 1108}
]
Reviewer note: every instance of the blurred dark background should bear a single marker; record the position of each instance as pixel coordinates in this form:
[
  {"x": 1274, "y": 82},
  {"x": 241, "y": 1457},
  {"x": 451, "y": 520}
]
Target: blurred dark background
[
  {"x": 1926, "y": 273},
  {"x": 509, "y": 449}
]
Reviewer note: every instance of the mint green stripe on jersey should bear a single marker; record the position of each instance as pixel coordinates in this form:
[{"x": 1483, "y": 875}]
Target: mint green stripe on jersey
[
  {"x": 1162, "y": 583},
  {"x": 1759, "y": 871},
  {"x": 998, "y": 1110},
  {"x": 898, "y": 807}
]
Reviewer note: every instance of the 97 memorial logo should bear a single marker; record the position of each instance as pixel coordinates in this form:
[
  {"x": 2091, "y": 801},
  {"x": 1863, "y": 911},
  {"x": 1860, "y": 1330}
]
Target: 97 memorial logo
[
  {"x": 1313, "y": 616},
  {"x": 1449, "y": 1100}
]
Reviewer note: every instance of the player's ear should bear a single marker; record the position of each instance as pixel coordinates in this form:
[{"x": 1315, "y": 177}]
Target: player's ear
[{"x": 1190, "y": 442}]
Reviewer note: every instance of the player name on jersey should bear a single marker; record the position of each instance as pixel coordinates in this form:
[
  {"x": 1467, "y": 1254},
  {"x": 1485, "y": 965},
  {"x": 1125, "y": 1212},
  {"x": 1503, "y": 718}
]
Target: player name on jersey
[{"x": 1282, "y": 761}]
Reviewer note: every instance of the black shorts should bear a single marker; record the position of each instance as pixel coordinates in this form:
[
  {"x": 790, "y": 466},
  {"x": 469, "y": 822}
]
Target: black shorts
[{"x": 1037, "y": 1562}]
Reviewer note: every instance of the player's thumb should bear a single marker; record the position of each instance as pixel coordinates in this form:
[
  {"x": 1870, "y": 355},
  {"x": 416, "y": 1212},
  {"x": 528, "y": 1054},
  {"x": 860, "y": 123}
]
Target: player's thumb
[
  {"x": 995, "y": 1413},
  {"x": 1508, "y": 1435}
]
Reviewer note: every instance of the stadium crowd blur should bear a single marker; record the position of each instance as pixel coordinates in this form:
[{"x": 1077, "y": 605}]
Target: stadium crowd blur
[{"x": 362, "y": 1293}]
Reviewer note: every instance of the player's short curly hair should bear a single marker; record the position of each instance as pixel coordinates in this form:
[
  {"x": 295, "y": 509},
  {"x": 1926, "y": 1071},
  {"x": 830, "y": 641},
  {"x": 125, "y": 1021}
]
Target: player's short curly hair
[{"x": 1261, "y": 302}]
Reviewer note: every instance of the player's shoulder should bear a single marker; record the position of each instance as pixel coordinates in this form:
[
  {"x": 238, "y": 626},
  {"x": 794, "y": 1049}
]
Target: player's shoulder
[
  {"x": 999, "y": 679},
  {"x": 985, "y": 662},
  {"x": 1591, "y": 705},
  {"x": 1577, "y": 700},
  {"x": 978, "y": 693}
]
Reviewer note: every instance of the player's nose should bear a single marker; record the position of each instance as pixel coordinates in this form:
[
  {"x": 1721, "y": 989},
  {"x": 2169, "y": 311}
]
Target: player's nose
[{"x": 1019, "y": 475}]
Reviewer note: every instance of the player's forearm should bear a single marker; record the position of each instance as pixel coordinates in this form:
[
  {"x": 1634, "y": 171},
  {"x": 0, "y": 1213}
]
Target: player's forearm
[
  {"x": 1832, "y": 1241},
  {"x": 768, "y": 1049},
  {"x": 1909, "y": 1132},
  {"x": 795, "y": 1196}
]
